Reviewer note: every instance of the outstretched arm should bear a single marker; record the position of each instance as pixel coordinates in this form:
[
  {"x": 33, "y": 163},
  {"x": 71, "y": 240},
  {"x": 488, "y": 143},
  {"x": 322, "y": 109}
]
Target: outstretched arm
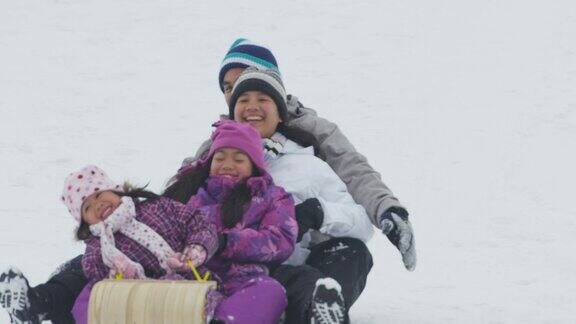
[
  {"x": 363, "y": 182},
  {"x": 203, "y": 150}
]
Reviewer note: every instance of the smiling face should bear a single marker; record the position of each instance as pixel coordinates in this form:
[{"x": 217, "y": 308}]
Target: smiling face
[
  {"x": 231, "y": 162},
  {"x": 259, "y": 110},
  {"x": 97, "y": 207}
]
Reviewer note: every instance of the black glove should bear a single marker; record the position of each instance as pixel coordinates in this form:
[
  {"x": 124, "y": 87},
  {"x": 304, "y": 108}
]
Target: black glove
[
  {"x": 309, "y": 215},
  {"x": 396, "y": 226}
]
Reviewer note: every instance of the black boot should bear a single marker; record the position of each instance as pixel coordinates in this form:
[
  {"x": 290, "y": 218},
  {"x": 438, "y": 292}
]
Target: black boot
[
  {"x": 16, "y": 297},
  {"x": 327, "y": 303}
]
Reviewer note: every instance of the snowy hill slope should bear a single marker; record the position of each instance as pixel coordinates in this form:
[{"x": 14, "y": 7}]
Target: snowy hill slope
[{"x": 467, "y": 108}]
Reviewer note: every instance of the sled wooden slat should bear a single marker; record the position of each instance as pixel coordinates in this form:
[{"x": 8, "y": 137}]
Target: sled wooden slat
[{"x": 148, "y": 302}]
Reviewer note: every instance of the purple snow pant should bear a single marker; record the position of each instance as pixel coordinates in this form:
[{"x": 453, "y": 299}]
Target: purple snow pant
[
  {"x": 256, "y": 301},
  {"x": 80, "y": 309}
]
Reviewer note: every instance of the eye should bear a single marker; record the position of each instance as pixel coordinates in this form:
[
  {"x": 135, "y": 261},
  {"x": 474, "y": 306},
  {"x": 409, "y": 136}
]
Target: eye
[
  {"x": 227, "y": 88},
  {"x": 240, "y": 157},
  {"x": 264, "y": 99}
]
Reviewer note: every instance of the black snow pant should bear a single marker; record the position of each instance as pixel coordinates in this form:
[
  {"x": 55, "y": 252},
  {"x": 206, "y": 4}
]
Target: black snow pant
[
  {"x": 347, "y": 260},
  {"x": 57, "y": 296}
]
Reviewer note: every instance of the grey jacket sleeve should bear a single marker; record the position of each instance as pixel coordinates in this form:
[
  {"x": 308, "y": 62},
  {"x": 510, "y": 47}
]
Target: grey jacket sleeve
[
  {"x": 204, "y": 148},
  {"x": 363, "y": 182}
]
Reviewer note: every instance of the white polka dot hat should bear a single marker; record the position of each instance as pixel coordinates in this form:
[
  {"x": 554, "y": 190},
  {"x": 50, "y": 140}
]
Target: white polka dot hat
[{"x": 81, "y": 184}]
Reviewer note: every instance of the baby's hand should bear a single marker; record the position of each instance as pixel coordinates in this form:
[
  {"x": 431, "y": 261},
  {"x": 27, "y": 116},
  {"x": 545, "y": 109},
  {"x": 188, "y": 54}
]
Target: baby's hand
[
  {"x": 195, "y": 253},
  {"x": 128, "y": 268},
  {"x": 175, "y": 262}
]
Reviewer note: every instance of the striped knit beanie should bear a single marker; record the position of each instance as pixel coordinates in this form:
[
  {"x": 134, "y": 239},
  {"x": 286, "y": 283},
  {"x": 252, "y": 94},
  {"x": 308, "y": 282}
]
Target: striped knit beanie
[
  {"x": 243, "y": 54},
  {"x": 266, "y": 81}
]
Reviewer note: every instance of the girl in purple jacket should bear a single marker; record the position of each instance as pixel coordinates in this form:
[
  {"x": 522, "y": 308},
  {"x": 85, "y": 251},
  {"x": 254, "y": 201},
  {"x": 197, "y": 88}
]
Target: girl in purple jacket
[
  {"x": 255, "y": 220},
  {"x": 135, "y": 239}
]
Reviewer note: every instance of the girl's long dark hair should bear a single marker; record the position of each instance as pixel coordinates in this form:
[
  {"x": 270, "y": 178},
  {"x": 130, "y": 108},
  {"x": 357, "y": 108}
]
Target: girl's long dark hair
[
  {"x": 138, "y": 193},
  {"x": 185, "y": 185},
  {"x": 300, "y": 136},
  {"x": 234, "y": 205}
]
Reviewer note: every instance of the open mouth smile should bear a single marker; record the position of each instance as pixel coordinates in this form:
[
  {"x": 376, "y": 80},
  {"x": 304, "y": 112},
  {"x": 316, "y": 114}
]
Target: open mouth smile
[
  {"x": 106, "y": 211},
  {"x": 253, "y": 118}
]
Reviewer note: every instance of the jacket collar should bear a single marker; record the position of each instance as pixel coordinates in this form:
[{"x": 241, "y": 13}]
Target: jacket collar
[
  {"x": 291, "y": 147},
  {"x": 218, "y": 186}
]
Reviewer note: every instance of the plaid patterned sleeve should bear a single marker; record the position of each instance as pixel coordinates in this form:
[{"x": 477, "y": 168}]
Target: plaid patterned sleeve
[
  {"x": 92, "y": 263},
  {"x": 198, "y": 229}
]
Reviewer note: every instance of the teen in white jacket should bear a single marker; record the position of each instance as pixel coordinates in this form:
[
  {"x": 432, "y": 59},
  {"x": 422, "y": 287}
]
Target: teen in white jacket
[{"x": 305, "y": 176}]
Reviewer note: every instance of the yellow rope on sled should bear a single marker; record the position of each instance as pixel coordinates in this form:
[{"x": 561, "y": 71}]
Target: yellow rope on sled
[{"x": 197, "y": 274}]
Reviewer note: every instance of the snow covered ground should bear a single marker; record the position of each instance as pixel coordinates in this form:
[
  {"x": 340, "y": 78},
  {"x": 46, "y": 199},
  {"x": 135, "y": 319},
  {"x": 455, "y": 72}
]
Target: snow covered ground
[{"x": 467, "y": 108}]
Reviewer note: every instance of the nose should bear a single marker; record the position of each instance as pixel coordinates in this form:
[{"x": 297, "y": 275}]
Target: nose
[
  {"x": 252, "y": 105},
  {"x": 226, "y": 166}
]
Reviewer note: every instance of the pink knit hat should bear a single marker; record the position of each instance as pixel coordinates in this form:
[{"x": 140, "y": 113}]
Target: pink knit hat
[
  {"x": 239, "y": 136},
  {"x": 81, "y": 184}
]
